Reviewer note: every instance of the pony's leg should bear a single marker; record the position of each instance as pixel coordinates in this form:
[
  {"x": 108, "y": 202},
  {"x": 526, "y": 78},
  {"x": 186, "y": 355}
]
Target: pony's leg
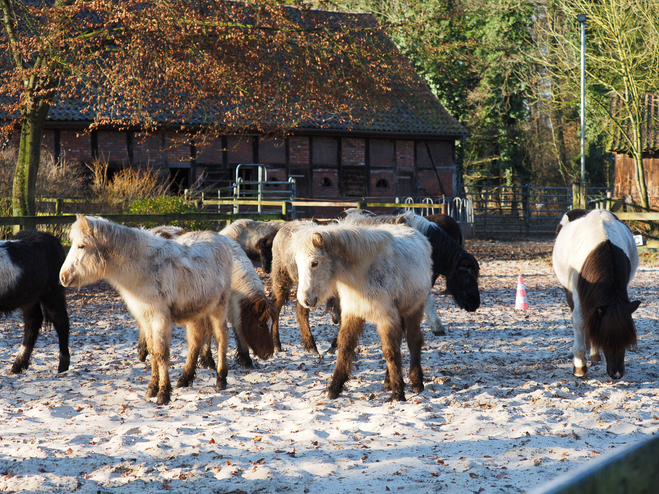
[
  {"x": 281, "y": 290},
  {"x": 242, "y": 351},
  {"x": 412, "y": 325},
  {"x": 594, "y": 355},
  {"x": 433, "y": 319},
  {"x": 579, "y": 349},
  {"x": 142, "y": 350},
  {"x": 194, "y": 335},
  {"x": 32, "y": 319},
  {"x": 391, "y": 336},
  {"x": 54, "y": 308},
  {"x": 349, "y": 333},
  {"x": 206, "y": 359},
  {"x": 161, "y": 337},
  {"x": 305, "y": 331},
  {"x": 222, "y": 337}
]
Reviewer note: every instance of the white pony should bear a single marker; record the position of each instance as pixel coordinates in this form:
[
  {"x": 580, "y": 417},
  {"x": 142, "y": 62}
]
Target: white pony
[
  {"x": 250, "y": 312},
  {"x": 382, "y": 274},
  {"x": 595, "y": 257},
  {"x": 162, "y": 282}
]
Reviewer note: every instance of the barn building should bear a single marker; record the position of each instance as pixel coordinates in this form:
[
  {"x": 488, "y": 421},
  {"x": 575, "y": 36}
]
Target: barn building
[{"x": 405, "y": 150}]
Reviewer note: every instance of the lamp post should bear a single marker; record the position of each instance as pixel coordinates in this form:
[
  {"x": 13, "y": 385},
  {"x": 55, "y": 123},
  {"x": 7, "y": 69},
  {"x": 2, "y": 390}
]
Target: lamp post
[{"x": 582, "y": 184}]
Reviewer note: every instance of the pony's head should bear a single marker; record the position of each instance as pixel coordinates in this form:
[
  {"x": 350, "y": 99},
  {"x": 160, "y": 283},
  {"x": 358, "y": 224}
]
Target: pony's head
[
  {"x": 322, "y": 252},
  {"x": 612, "y": 329},
  {"x": 86, "y": 261},
  {"x": 314, "y": 269},
  {"x": 462, "y": 283},
  {"x": 257, "y": 313}
]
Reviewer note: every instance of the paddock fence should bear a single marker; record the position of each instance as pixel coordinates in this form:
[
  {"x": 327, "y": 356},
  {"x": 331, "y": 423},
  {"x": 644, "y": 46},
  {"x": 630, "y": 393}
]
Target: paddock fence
[{"x": 526, "y": 209}]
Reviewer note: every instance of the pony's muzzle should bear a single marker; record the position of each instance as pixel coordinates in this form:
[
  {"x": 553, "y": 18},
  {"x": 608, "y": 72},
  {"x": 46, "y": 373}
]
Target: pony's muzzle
[
  {"x": 309, "y": 301},
  {"x": 65, "y": 278}
]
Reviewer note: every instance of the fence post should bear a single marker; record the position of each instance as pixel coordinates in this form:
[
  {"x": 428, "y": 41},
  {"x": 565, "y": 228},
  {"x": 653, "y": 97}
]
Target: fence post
[
  {"x": 526, "y": 207},
  {"x": 579, "y": 199},
  {"x": 58, "y": 206}
]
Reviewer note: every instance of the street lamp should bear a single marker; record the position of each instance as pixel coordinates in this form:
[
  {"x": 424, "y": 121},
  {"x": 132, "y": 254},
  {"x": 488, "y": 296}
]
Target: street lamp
[{"x": 582, "y": 20}]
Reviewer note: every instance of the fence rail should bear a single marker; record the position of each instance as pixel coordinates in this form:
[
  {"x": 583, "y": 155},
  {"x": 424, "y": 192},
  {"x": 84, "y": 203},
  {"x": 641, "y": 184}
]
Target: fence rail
[{"x": 525, "y": 208}]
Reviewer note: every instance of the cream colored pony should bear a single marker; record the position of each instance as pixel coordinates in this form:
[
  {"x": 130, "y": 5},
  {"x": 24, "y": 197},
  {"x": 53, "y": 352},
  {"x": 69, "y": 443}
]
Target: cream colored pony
[
  {"x": 382, "y": 274},
  {"x": 162, "y": 282}
]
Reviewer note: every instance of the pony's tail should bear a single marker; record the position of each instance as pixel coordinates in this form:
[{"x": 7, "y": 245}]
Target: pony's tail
[{"x": 616, "y": 330}]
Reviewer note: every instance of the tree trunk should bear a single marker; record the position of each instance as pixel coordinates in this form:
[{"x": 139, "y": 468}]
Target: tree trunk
[
  {"x": 640, "y": 181},
  {"x": 27, "y": 164}
]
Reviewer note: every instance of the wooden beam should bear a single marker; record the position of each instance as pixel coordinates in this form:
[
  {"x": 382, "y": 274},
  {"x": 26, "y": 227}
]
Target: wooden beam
[
  {"x": 638, "y": 216},
  {"x": 630, "y": 471}
]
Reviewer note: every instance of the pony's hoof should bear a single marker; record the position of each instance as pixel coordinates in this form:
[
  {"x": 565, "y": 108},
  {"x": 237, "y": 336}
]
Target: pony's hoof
[
  {"x": 63, "y": 366},
  {"x": 332, "y": 394},
  {"x": 163, "y": 398},
  {"x": 17, "y": 368},
  {"x": 386, "y": 385},
  {"x": 245, "y": 361},
  {"x": 580, "y": 371},
  {"x": 595, "y": 359},
  {"x": 417, "y": 388},
  {"x": 207, "y": 363},
  {"x": 439, "y": 331},
  {"x": 151, "y": 391},
  {"x": 399, "y": 396},
  {"x": 221, "y": 383},
  {"x": 184, "y": 382}
]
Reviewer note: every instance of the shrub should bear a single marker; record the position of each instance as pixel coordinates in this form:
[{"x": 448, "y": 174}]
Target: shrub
[{"x": 168, "y": 205}]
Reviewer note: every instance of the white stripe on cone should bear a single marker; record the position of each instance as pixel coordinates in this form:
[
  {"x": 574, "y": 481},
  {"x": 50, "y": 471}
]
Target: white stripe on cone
[{"x": 520, "y": 301}]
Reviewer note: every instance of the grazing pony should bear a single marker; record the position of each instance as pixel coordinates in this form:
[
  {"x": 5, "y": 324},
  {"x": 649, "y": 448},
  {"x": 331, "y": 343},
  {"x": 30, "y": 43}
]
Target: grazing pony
[
  {"x": 595, "y": 257},
  {"x": 449, "y": 259},
  {"x": 162, "y": 282},
  {"x": 247, "y": 233},
  {"x": 29, "y": 269},
  {"x": 250, "y": 312},
  {"x": 382, "y": 275}
]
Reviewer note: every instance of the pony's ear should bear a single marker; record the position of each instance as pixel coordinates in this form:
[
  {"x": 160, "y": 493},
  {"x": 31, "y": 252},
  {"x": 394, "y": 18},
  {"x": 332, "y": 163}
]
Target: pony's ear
[
  {"x": 402, "y": 220},
  {"x": 633, "y": 306},
  {"x": 84, "y": 225},
  {"x": 317, "y": 240}
]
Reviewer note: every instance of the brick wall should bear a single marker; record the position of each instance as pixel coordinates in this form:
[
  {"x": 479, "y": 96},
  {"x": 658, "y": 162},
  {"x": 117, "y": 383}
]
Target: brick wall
[
  {"x": 272, "y": 151},
  {"x": 382, "y": 183},
  {"x": 381, "y": 153},
  {"x": 179, "y": 151},
  {"x": 428, "y": 180},
  {"x": 112, "y": 146},
  {"x": 76, "y": 146},
  {"x": 298, "y": 150},
  {"x": 326, "y": 182},
  {"x": 148, "y": 150},
  {"x": 240, "y": 149},
  {"x": 405, "y": 155},
  {"x": 210, "y": 152},
  {"x": 353, "y": 152}
]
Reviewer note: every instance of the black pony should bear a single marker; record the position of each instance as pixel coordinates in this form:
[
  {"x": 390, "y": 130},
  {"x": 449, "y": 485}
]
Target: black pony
[{"x": 29, "y": 280}]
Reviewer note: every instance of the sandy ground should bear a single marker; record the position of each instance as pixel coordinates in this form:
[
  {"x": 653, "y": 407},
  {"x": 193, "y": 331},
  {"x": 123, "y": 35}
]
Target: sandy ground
[{"x": 501, "y": 411}]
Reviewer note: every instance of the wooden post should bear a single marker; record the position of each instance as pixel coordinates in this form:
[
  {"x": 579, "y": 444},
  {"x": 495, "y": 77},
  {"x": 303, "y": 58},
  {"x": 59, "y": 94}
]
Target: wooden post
[
  {"x": 579, "y": 200},
  {"x": 58, "y": 206}
]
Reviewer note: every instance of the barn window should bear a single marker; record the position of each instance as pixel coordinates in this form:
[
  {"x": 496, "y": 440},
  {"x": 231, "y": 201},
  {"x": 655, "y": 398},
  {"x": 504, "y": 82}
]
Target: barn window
[
  {"x": 325, "y": 182},
  {"x": 382, "y": 184}
]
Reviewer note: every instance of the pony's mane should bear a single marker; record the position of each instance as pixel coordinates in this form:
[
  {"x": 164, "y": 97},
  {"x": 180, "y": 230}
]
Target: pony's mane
[
  {"x": 106, "y": 234},
  {"x": 354, "y": 243},
  {"x": 602, "y": 289}
]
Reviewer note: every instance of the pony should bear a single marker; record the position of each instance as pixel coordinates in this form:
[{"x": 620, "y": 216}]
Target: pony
[
  {"x": 29, "y": 269},
  {"x": 595, "y": 258},
  {"x": 162, "y": 282},
  {"x": 247, "y": 233},
  {"x": 284, "y": 276},
  {"x": 250, "y": 312},
  {"x": 382, "y": 274},
  {"x": 449, "y": 259}
]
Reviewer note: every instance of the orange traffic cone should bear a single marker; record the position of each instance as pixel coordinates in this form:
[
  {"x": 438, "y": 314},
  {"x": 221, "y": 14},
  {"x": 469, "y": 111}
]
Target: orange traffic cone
[{"x": 520, "y": 302}]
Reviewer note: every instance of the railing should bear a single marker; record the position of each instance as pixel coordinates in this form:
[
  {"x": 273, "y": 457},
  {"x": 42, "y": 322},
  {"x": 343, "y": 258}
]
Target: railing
[{"x": 525, "y": 208}]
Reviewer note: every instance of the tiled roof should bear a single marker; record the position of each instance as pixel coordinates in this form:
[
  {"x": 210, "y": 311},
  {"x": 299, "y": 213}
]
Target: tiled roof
[
  {"x": 650, "y": 128},
  {"x": 411, "y": 106}
]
